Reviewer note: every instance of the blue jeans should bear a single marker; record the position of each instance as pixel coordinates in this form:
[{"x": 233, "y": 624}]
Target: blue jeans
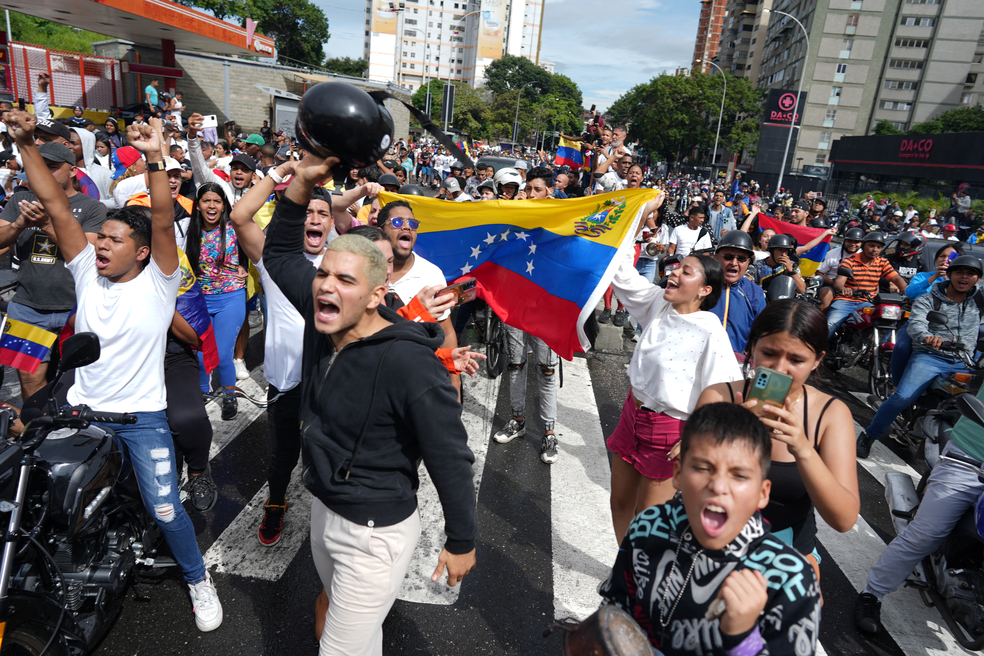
[
  {"x": 839, "y": 311},
  {"x": 901, "y": 353},
  {"x": 151, "y": 454},
  {"x": 227, "y": 312},
  {"x": 923, "y": 367}
]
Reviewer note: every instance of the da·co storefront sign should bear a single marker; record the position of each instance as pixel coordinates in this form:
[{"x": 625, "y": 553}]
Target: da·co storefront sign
[
  {"x": 783, "y": 108},
  {"x": 946, "y": 156}
]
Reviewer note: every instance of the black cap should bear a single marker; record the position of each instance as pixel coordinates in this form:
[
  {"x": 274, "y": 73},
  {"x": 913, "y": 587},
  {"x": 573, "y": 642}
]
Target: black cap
[
  {"x": 55, "y": 128},
  {"x": 56, "y": 152},
  {"x": 245, "y": 160},
  {"x": 804, "y": 205}
]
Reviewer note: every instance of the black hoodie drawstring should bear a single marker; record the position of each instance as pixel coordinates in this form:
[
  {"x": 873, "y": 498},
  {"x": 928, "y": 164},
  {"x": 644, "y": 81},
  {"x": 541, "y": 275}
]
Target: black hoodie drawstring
[{"x": 372, "y": 401}]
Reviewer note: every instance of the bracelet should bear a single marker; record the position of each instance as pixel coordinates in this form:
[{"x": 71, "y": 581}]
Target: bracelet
[
  {"x": 273, "y": 175},
  {"x": 750, "y": 646}
]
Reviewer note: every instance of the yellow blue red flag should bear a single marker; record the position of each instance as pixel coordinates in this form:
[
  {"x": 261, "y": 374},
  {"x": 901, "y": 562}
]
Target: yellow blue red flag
[
  {"x": 811, "y": 260},
  {"x": 542, "y": 265},
  {"x": 23, "y": 346}
]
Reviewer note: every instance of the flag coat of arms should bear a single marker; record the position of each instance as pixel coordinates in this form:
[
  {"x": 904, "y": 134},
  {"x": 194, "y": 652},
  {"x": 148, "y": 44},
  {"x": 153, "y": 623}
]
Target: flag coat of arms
[
  {"x": 23, "y": 346},
  {"x": 811, "y": 260},
  {"x": 541, "y": 265}
]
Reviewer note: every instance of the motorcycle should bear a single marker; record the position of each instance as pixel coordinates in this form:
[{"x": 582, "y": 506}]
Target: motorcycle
[
  {"x": 77, "y": 530},
  {"x": 951, "y": 578},
  {"x": 868, "y": 338}
]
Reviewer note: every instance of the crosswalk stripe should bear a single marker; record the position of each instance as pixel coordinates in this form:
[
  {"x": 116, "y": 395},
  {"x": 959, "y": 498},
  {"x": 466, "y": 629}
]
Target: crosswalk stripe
[
  {"x": 583, "y": 539},
  {"x": 224, "y": 432},
  {"x": 480, "y": 394}
]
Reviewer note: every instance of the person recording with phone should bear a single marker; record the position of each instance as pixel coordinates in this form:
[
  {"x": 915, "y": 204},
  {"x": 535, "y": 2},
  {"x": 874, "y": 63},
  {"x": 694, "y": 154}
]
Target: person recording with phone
[{"x": 812, "y": 464}]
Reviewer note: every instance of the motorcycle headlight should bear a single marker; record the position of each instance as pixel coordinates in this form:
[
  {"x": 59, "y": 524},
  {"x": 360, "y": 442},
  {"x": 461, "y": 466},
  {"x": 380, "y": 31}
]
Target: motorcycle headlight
[{"x": 892, "y": 312}]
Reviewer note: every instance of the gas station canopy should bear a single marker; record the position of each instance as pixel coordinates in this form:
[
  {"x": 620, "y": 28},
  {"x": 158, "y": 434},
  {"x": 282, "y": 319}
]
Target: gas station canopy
[{"x": 149, "y": 22}]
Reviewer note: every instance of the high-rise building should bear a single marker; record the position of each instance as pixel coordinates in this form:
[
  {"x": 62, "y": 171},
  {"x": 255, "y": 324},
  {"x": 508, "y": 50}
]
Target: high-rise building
[
  {"x": 411, "y": 41},
  {"x": 709, "y": 26},
  {"x": 903, "y": 61}
]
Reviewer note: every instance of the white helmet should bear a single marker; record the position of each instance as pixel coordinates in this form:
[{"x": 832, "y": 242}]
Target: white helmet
[{"x": 507, "y": 176}]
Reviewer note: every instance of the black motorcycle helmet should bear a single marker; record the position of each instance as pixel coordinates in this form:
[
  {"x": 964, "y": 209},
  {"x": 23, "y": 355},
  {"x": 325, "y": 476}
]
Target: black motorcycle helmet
[
  {"x": 781, "y": 241},
  {"x": 967, "y": 262},
  {"x": 411, "y": 190},
  {"x": 874, "y": 236},
  {"x": 340, "y": 120},
  {"x": 781, "y": 287},
  {"x": 854, "y": 234},
  {"x": 737, "y": 239},
  {"x": 819, "y": 222},
  {"x": 909, "y": 244},
  {"x": 389, "y": 179}
]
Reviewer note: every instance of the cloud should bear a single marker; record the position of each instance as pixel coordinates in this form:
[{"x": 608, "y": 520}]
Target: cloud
[{"x": 606, "y": 48}]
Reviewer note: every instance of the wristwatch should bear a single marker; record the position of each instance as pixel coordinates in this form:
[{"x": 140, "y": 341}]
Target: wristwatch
[{"x": 155, "y": 166}]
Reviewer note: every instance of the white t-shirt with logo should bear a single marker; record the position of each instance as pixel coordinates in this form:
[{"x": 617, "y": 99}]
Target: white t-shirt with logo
[
  {"x": 686, "y": 240},
  {"x": 284, "y": 340},
  {"x": 422, "y": 274},
  {"x": 131, "y": 319}
]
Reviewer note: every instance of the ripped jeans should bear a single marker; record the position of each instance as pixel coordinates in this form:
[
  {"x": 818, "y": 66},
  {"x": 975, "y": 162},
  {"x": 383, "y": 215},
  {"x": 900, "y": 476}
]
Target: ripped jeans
[
  {"x": 546, "y": 375},
  {"x": 151, "y": 454}
]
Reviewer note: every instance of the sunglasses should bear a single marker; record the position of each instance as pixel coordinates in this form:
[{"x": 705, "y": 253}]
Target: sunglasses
[
  {"x": 398, "y": 222},
  {"x": 731, "y": 256}
]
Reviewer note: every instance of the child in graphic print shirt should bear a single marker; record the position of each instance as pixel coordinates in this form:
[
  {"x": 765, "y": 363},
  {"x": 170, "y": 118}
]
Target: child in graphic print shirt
[{"x": 680, "y": 560}]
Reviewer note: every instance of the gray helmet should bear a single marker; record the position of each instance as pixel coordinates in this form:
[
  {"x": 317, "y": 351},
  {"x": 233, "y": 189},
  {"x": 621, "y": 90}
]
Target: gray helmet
[
  {"x": 854, "y": 234},
  {"x": 875, "y": 236},
  {"x": 781, "y": 287},
  {"x": 781, "y": 241},
  {"x": 967, "y": 262},
  {"x": 456, "y": 164},
  {"x": 488, "y": 183},
  {"x": 737, "y": 239},
  {"x": 389, "y": 179},
  {"x": 411, "y": 190}
]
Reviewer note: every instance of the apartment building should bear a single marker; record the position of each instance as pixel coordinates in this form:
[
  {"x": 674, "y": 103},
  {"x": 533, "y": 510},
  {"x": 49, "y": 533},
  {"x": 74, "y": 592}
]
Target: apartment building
[
  {"x": 412, "y": 41},
  {"x": 904, "y": 61},
  {"x": 712, "y": 13}
]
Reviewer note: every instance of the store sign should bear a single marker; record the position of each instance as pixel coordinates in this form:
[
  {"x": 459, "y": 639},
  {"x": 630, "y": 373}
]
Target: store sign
[
  {"x": 782, "y": 107},
  {"x": 915, "y": 148}
]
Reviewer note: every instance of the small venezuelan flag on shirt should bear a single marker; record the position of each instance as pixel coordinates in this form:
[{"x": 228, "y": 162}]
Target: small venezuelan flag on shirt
[
  {"x": 542, "y": 265},
  {"x": 23, "y": 346}
]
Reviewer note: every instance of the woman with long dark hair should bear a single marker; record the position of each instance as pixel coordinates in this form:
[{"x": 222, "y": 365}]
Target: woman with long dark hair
[
  {"x": 117, "y": 138},
  {"x": 213, "y": 253},
  {"x": 683, "y": 349}
]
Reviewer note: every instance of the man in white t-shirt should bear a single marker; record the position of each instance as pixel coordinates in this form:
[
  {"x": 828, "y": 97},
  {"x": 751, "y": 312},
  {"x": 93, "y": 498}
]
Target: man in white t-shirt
[
  {"x": 411, "y": 272},
  {"x": 611, "y": 174},
  {"x": 694, "y": 236},
  {"x": 127, "y": 286}
]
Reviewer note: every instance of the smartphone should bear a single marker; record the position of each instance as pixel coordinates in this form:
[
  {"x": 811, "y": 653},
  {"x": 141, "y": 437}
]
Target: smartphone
[
  {"x": 769, "y": 387},
  {"x": 592, "y": 108},
  {"x": 209, "y": 121},
  {"x": 952, "y": 257},
  {"x": 21, "y": 105},
  {"x": 465, "y": 290}
]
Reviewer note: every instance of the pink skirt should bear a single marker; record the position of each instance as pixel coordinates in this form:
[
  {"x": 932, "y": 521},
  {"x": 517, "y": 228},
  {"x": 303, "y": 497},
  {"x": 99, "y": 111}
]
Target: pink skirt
[{"x": 644, "y": 438}]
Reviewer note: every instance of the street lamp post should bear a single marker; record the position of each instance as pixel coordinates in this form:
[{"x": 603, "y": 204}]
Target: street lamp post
[
  {"x": 799, "y": 90},
  {"x": 720, "y": 115},
  {"x": 516, "y": 120},
  {"x": 540, "y": 132}
]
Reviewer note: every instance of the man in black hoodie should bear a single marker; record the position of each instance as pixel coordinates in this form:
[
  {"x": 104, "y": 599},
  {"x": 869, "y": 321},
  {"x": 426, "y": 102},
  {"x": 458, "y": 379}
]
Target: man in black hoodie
[{"x": 375, "y": 401}]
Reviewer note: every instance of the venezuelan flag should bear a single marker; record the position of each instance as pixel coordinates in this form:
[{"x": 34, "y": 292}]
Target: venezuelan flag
[
  {"x": 569, "y": 154},
  {"x": 23, "y": 346},
  {"x": 191, "y": 306},
  {"x": 811, "y": 260},
  {"x": 542, "y": 265}
]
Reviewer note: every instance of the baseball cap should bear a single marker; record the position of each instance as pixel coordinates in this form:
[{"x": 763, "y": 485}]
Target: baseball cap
[
  {"x": 949, "y": 227},
  {"x": 123, "y": 158},
  {"x": 255, "y": 139},
  {"x": 55, "y": 128},
  {"x": 279, "y": 133},
  {"x": 171, "y": 164},
  {"x": 520, "y": 164},
  {"x": 451, "y": 184},
  {"x": 804, "y": 205},
  {"x": 245, "y": 160},
  {"x": 56, "y": 152}
]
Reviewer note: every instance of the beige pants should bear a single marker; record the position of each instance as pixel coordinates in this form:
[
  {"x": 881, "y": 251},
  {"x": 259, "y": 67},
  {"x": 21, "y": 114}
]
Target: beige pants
[{"x": 362, "y": 568}]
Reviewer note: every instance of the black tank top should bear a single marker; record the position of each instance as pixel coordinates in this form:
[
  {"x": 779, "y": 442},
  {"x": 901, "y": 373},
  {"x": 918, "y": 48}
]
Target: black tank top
[{"x": 789, "y": 502}]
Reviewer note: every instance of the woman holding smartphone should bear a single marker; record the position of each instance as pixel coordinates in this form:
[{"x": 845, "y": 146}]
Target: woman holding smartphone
[
  {"x": 813, "y": 463},
  {"x": 683, "y": 349}
]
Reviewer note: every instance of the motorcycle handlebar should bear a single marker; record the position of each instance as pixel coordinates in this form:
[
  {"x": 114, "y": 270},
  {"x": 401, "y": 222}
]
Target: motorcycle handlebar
[
  {"x": 952, "y": 346},
  {"x": 84, "y": 413}
]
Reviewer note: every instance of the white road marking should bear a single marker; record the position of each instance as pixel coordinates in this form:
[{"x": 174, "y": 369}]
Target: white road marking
[
  {"x": 480, "y": 395},
  {"x": 914, "y": 627},
  {"x": 583, "y": 539},
  {"x": 224, "y": 432}
]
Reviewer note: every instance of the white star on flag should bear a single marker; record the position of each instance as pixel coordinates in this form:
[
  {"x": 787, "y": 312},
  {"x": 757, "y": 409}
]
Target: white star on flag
[
  {"x": 522, "y": 235},
  {"x": 505, "y": 235},
  {"x": 529, "y": 267},
  {"x": 465, "y": 269},
  {"x": 488, "y": 240},
  {"x": 476, "y": 250},
  {"x": 532, "y": 249}
]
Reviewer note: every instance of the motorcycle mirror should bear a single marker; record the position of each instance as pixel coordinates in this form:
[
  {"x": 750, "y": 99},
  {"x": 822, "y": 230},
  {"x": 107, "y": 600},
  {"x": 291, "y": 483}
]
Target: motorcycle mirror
[
  {"x": 844, "y": 271},
  {"x": 78, "y": 351},
  {"x": 971, "y": 407},
  {"x": 937, "y": 317}
]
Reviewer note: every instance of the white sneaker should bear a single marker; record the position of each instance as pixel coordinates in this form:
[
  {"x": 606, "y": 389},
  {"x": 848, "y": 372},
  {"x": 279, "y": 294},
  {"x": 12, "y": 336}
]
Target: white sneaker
[
  {"x": 242, "y": 373},
  {"x": 205, "y": 603}
]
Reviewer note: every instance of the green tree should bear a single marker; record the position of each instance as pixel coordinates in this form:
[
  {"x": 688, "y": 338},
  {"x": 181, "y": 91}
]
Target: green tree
[
  {"x": 471, "y": 107},
  {"x": 512, "y": 72},
  {"x": 884, "y": 128},
  {"x": 547, "y": 102},
  {"x": 347, "y": 66},
  {"x": 959, "y": 119},
  {"x": 929, "y": 127},
  {"x": 299, "y": 27},
  {"x": 28, "y": 29},
  {"x": 672, "y": 115}
]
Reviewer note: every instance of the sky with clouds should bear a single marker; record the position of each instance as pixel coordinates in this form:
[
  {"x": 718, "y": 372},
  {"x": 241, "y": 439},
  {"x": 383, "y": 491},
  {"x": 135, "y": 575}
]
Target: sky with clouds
[{"x": 605, "y": 47}]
